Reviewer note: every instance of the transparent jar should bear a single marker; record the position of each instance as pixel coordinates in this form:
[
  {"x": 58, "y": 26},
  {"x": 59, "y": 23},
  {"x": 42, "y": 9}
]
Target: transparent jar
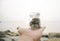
[{"x": 35, "y": 20}]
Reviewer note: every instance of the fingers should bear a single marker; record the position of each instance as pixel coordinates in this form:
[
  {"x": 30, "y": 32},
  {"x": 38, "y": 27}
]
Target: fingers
[
  {"x": 42, "y": 29},
  {"x": 19, "y": 28},
  {"x": 19, "y": 31}
]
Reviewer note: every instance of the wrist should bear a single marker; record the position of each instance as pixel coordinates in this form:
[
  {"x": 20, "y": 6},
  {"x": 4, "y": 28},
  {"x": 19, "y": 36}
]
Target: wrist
[{"x": 26, "y": 38}]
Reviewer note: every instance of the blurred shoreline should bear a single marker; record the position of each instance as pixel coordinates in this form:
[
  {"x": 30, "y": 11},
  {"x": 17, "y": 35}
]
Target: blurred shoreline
[{"x": 12, "y": 36}]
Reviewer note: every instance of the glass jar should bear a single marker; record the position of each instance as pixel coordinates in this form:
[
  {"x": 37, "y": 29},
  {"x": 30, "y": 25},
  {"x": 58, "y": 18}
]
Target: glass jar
[{"x": 35, "y": 20}]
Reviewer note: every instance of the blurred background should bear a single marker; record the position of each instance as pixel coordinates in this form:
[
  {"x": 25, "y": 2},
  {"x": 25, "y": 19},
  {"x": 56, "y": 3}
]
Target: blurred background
[{"x": 14, "y": 13}]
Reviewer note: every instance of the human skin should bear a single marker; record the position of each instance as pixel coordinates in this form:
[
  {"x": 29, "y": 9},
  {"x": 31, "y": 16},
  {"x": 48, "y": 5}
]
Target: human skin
[{"x": 30, "y": 35}]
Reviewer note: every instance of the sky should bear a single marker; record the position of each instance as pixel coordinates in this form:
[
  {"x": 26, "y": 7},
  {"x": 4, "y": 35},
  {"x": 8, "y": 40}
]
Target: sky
[{"x": 14, "y": 13}]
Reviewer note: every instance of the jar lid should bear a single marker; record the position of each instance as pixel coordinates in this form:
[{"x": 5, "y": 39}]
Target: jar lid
[{"x": 34, "y": 15}]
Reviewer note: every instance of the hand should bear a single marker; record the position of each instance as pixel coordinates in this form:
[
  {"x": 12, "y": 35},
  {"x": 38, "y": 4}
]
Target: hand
[{"x": 34, "y": 34}]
